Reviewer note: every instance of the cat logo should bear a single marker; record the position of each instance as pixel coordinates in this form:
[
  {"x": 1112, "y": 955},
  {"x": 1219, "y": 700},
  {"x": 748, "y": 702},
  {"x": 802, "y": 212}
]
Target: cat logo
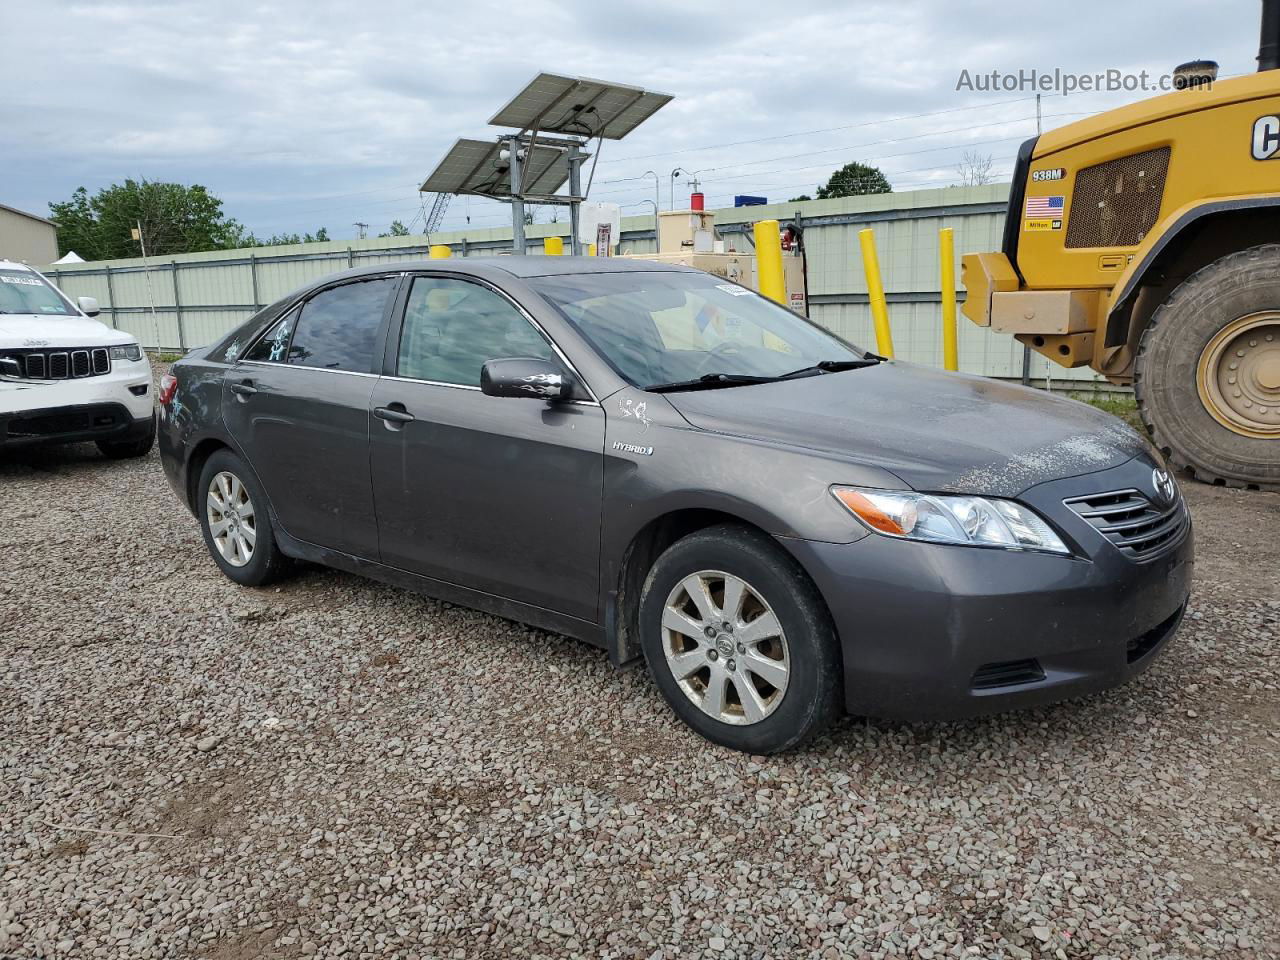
[{"x": 1266, "y": 138}]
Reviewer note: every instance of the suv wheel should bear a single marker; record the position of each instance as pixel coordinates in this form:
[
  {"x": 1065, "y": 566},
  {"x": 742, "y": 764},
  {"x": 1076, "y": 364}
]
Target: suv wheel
[
  {"x": 236, "y": 522},
  {"x": 138, "y": 446},
  {"x": 739, "y": 641}
]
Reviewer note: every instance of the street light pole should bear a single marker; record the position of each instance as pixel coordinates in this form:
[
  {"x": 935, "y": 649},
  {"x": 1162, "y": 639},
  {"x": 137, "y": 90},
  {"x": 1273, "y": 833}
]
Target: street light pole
[
  {"x": 651, "y": 173},
  {"x": 675, "y": 173},
  {"x": 655, "y": 220}
]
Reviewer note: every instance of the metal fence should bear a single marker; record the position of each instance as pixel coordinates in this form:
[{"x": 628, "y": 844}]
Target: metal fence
[{"x": 189, "y": 300}]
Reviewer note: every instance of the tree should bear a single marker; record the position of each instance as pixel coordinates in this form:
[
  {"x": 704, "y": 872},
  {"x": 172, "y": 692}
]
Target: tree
[
  {"x": 398, "y": 229},
  {"x": 175, "y": 218},
  {"x": 975, "y": 169},
  {"x": 283, "y": 239},
  {"x": 802, "y": 197},
  {"x": 854, "y": 180}
]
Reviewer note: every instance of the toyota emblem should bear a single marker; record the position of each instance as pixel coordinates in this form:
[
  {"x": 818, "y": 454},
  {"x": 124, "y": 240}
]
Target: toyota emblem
[{"x": 1163, "y": 484}]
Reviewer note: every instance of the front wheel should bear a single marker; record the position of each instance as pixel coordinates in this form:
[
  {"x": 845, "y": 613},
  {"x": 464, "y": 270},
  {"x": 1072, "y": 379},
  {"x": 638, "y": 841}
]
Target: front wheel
[
  {"x": 1207, "y": 377},
  {"x": 738, "y": 640}
]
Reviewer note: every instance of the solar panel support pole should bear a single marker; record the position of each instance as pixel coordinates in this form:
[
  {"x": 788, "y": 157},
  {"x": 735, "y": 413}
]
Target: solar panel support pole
[
  {"x": 575, "y": 159},
  {"x": 517, "y": 203}
]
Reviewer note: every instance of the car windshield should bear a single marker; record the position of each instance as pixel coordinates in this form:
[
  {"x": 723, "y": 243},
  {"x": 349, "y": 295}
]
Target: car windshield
[
  {"x": 667, "y": 328},
  {"x": 22, "y": 291}
]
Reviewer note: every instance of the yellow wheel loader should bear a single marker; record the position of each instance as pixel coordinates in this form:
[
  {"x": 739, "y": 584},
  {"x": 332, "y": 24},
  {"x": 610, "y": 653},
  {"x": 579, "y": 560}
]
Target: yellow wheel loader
[{"x": 1145, "y": 243}]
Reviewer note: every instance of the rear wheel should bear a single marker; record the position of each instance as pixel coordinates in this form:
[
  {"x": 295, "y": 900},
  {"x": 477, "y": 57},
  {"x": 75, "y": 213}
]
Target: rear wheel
[
  {"x": 236, "y": 522},
  {"x": 739, "y": 641},
  {"x": 1207, "y": 376}
]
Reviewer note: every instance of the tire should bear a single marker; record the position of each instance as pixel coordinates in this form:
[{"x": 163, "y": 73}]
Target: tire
[
  {"x": 1178, "y": 363},
  {"x": 129, "y": 449},
  {"x": 263, "y": 562},
  {"x": 806, "y": 647}
]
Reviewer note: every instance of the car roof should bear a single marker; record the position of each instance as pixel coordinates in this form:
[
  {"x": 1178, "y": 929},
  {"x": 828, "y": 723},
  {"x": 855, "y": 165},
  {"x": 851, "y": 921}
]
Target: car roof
[
  {"x": 518, "y": 266},
  {"x": 13, "y": 265}
]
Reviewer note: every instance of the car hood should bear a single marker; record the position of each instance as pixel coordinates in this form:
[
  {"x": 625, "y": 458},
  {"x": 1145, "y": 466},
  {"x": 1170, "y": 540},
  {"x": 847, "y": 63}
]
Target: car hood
[
  {"x": 940, "y": 432},
  {"x": 40, "y": 330}
]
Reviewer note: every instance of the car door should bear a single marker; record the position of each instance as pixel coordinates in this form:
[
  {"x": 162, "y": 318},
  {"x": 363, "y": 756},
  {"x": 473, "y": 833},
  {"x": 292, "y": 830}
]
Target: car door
[
  {"x": 297, "y": 403},
  {"x": 500, "y": 495}
]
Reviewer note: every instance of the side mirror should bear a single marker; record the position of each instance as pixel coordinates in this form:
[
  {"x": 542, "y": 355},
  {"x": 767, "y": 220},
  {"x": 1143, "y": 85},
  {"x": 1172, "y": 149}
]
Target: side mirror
[
  {"x": 525, "y": 377},
  {"x": 88, "y": 306}
]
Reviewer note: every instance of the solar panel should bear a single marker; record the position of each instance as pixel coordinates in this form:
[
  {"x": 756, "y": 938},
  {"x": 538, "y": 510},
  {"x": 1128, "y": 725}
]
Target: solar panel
[
  {"x": 476, "y": 166},
  {"x": 580, "y": 106}
]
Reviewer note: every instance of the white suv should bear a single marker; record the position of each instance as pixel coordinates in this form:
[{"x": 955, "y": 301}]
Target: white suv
[{"x": 66, "y": 378}]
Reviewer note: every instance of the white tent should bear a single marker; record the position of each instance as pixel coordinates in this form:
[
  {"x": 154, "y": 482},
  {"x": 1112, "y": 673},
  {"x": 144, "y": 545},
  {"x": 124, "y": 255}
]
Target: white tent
[{"x": 71, "y": 257}]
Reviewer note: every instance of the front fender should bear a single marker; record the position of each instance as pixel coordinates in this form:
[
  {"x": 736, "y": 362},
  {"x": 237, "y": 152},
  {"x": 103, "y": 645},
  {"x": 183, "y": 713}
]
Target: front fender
[{"x": 1156, "y": 243}]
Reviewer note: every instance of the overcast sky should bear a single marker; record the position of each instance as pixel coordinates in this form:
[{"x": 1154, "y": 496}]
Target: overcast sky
[{"x": 307, "y": 114}]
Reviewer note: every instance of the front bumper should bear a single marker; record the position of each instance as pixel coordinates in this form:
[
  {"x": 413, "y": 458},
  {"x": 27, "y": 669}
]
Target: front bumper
[
  {"x": 77, "y": 424},
  {"x": 116, "y": 406},
  {"x": 932, "y": 631}
]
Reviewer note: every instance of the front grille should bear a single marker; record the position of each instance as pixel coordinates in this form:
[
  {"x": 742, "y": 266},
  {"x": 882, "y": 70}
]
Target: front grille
[
  {"x": 62, "y": 364},
  {"x": 1007, "y": 674},
  {"x": 1140, "y": 529},
  {"x": 1115, "y": 203}
]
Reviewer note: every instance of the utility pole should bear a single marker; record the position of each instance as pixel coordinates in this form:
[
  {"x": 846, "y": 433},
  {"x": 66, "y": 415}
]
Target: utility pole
[
  {"x": 361, "y": 229},
  {"x": 1026, "y": 350},
  {"x": 146, "y": 272}
]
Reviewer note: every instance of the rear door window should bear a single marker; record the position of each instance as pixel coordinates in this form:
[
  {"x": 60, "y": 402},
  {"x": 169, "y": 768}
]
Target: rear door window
[{"x": 338, "y": 328}]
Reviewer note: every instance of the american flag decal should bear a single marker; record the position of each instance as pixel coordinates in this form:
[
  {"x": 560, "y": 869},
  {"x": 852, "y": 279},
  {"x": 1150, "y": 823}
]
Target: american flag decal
[{"x": 1044, "y": 207}]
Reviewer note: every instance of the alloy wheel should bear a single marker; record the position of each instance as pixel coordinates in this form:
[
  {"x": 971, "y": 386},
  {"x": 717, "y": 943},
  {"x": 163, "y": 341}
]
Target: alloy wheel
[
  {"x": 725, "y": 647},
  {"x": 232, "y": 521}
]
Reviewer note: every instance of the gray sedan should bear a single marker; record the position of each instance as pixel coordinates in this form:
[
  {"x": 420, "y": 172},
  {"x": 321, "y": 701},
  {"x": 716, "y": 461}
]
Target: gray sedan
[{"x": 667, "y": 465}]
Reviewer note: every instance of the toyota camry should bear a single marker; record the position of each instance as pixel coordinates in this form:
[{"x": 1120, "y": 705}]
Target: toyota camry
[{"x": 671, "y": 467}]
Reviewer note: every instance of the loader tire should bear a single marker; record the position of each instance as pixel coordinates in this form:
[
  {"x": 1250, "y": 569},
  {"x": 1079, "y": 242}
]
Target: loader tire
[{"x": 1207, "y": 376}]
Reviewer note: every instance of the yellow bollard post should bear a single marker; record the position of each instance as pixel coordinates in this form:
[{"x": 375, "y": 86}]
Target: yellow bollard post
[
  {"x": 439, "y": 251},
  {"x": 947, "y": 255},
  {"x": 875, "y": 291},
  {"x": 553, "y": 246},
  {"x": 591, "y": 249},
  {"x": 769, "y": 261}
]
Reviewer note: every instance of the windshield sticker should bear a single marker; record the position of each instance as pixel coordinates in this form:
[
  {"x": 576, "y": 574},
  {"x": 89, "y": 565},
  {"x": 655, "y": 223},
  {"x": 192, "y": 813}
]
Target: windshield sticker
[
  {"x": 630, "y": 408},
  {"x": 734, "y": 289},
  {"x": 26, "y": 281}
]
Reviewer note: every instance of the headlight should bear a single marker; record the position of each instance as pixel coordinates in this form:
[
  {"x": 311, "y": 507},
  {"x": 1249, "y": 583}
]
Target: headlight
[
  {"x": 126, "y": 351},
  {"x": 975, "y": 521}
]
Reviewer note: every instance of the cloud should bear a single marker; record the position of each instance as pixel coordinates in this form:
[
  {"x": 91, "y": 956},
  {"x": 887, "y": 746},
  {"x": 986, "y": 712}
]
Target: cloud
[{"x": 302, "y": 114}]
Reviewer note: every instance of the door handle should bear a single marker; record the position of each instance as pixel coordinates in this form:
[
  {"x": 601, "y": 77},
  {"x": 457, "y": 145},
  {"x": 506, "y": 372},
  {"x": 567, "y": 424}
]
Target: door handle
[
  {"x": 394, "y": 414},
  {"x": 244, "y": 389}
]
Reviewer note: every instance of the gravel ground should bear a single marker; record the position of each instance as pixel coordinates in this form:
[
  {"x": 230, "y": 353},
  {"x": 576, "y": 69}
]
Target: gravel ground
[{"x": 339, "y": 768}]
